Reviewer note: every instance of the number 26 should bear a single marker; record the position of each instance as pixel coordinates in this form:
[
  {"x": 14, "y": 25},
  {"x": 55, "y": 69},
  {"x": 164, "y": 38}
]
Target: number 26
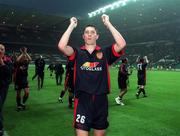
[{"x": 80, "y": 119}]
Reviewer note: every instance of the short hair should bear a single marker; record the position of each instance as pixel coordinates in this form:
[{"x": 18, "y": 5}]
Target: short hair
[
  {"x": 89, "y": 25},
  {"x": 1, "y": 45}
]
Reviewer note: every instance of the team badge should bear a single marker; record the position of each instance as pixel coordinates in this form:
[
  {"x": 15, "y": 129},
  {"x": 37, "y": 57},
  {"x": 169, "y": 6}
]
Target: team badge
[{"x": 99, "y": 55}]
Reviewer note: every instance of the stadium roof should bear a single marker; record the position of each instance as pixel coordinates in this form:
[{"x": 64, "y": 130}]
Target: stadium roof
[
  {"x": 40, "y": 22},
  {"x": 53, "y": 13},
  {"x": 58, "y": 7}
]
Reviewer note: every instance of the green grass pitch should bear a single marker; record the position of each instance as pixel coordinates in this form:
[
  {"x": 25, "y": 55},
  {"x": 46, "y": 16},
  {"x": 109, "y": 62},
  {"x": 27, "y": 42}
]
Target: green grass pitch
[{"x": 156, "y": 115}]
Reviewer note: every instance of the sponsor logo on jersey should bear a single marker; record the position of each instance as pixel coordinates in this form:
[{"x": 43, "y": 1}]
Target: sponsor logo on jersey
[{"x": 91, "y": 66}]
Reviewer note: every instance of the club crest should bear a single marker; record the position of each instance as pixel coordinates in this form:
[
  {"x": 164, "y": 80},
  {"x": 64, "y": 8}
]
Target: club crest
[{"x": 99, "y": 55}]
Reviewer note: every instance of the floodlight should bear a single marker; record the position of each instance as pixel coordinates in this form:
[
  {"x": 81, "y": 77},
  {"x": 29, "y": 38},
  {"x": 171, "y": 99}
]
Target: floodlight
[{"x": 114, "y": 5}]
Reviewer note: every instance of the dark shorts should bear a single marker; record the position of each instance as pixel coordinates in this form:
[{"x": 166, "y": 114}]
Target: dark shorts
[
  {"x": 19, "y": 85},
  {"x": 141, "y": 80},
  {"x": 91, "y": 111},
  {"x": 122, "y": 83}
]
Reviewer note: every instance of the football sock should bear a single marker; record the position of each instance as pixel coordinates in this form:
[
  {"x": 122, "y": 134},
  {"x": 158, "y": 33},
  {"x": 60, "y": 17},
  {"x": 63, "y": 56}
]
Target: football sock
[
  {"x": 42, "y": 81},
  {"x": 25, "y": 97},
  {"x": 140, "y": 90},
  {"x": 62, "y": 93},
  {"x": 18, "y": 100},
  {"x": 144, "y": 93}
]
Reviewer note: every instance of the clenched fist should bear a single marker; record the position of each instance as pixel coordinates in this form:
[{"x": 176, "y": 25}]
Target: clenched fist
[
  {"x": 73, "y": 21},
  {"x": 105, "y": 19}
]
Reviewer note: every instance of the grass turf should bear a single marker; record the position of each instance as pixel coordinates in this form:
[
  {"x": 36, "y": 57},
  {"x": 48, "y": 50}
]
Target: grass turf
[{"x": 156, "y": 115}]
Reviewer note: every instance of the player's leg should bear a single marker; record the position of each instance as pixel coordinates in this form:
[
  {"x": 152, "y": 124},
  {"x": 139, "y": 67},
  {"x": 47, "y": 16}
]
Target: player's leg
[
  {"x": 143, "y": 91},
  {"x": 18, "y": 99},
  {"x": 80, "y": 132},
  {"x": 62, "y": 93},
  {"x": 39, "y": 82},
  {"x": 1, "y": 123},
  {"x": 143, "y": 87},
  {"x": 117, "y": 99},
  {"x": 123, "y": 86},
  {"x": 99, "y": 132},
  {"x": 83, "y": 113},
  {"x": 122, "y": 93},
  {"x": 60, "y": 78},
  {"x": 138, "y": 93},
  {"x": 25, "y": 97},
  {"x": 70, "y": 99},
  {"x": 42, "y": 79},
  {"x": 57, "y": 79},
  {"x": 140, "y": 80},
  {"x": 100, "y": 119},
  {"x": 35, "y": 75},
  {"x": 3, "y": 95},
  {"x": 66, "y": 82}
]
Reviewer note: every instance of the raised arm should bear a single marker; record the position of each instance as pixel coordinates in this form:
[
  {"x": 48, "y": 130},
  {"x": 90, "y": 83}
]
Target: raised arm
[
  {"x": 27, "y": 55},
  {"x": 137, "y": 59},
  {"x": 23, "y": 55},
  {"x": 120, "y": 42},
  {"x": 146, "y": 59},
  {"x": 63, "y": 43}
]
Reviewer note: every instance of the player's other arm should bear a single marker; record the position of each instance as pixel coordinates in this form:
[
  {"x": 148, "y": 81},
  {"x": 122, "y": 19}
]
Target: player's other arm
[
  {"x": 120, "y": 41},
  {"x": 63, "y": 43},
  {"x": 27, "y": 55},
  {"x": 146, "y": 59},
  {"x": 137, "y": 59}
]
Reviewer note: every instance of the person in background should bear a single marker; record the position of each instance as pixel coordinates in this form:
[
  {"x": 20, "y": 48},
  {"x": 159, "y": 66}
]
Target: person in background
[
  {"x": 51, "y": 69},
  {"x": 141, "y": 75},
  {"x": 39, "y": 71},
  {"x": 68, "y": 84},
  {"x": 5, "y": 79},
  {"x": 123, "y": 76},
  {"x": 59, "y": 71},
  {"x": 14, "y": 61},
  {"x": 21, "y": 81}
]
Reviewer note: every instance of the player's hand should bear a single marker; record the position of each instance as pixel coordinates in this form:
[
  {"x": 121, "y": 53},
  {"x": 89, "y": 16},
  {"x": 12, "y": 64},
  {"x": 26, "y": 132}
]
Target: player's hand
[
  {"x": 105, "y": 19},
  {"x": 73, "y": 22},
  {"x": 23, "y": 50}
]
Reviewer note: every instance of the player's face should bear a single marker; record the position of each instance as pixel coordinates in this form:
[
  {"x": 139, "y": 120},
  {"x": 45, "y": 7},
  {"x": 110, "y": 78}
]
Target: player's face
[
  {"x": 90, "y": 35},
  {"x": 2, "y": 50}
]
